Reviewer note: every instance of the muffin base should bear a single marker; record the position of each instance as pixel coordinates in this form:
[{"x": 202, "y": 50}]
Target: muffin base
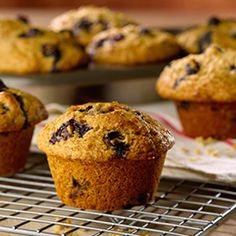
[
  {"x": 208, "y": 119},
  {"x": 14, "y": 148},
  {"x": 110, "y": 185}
]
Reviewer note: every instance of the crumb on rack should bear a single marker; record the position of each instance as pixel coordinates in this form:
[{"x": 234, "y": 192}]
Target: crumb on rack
[
  {"x": 117, "y": 229},
  {"x": 212, "y": 152},
  {"x": 193, "y": 159},
  {"x": 197, "y": 151},
  {"x": 205, "y": 141},
  {"x": 184, "y": 150},
  {"x": 61, "y": 229}
]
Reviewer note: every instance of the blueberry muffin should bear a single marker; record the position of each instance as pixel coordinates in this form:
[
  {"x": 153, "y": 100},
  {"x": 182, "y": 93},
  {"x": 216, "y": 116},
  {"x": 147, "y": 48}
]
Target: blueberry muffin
[
  {"x": 85, "y": 22},
  {"x": 8, "y": 26},
  {"x": 132, "y": 45},
  {"x": 25, "y": 49},
  {"x": 204, "y": 89},
  {"x": 215, "y": 31},
  {"x": 19, "y": 112},
  {"x": 105, "y": 156}
]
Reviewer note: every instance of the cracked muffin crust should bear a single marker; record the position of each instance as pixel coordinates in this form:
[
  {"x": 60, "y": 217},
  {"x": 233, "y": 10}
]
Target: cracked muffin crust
[
  {"x": 210, "y": 76},
  {"x": 105, "y": 156},
  {"x": 18, "y": 109},
  {"x": 19, "y": 113},
  {"x": 85, "y": 22},
  {"x": 28, "y": 49},
  {"x": 132, "y": 45},
  {"x": 204, "y": 89},
  {"x": 87, "y": 128},
  {"x": 216, "y": 31}
]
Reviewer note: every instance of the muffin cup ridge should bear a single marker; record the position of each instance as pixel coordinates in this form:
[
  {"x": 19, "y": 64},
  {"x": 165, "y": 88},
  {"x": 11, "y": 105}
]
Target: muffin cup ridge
[
  {"x": 208, "y": 119},
  {"x": 14, "y": 148},
  {"x": 108, "y": 185}
]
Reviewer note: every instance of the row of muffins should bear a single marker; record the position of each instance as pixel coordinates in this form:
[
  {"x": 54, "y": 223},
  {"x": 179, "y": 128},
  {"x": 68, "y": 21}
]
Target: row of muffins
[
  {"x": 192, "y": 40},
  {"x": 103, "y": 36},
  {"x": 104, "y": 165},
  {"x": 76, "y": 37},
  {"x": 95, "y": 163}
]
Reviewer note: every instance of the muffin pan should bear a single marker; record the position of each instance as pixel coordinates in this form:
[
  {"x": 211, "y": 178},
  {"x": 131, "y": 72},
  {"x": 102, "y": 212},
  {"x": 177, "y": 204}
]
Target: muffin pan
[
  {"x": 92, "y": 75},
  {"x": 96, "y": 82}
]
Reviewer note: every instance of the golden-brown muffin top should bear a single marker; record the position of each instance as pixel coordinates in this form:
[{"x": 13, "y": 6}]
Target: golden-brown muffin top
[
  {"x": 87, "y": 21},
  {"x": 132, "y": 45},
  {"x": 104, "y": 131},
  {"x": 28, "y": 49},
  {"x": 19, "y": 110},
  {"x": 8, "y": 27},
  {"x": 210, "y": 76},
  {"x": 214, "y": 31}
]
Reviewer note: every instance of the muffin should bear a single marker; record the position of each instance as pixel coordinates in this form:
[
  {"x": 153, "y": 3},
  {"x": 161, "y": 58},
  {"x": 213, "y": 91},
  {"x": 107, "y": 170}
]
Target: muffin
[
  {"x": 85, "y": 22},
  {"x": 215, "y": 31},
  {"x": 25, "y": 49},
  {"x": 204, "y": 90},
  {"x": 132, "y": 45},
  {"x": 105, "y": 156},
  {"x": 19, "y": 112}
]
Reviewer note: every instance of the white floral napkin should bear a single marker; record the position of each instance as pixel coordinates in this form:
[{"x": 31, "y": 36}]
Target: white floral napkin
[{"x": 197, "y": 159}]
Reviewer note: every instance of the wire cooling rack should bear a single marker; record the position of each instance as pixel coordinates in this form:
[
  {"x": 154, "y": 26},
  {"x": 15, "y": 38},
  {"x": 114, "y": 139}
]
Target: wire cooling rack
[{"x": 29, "y": 206}]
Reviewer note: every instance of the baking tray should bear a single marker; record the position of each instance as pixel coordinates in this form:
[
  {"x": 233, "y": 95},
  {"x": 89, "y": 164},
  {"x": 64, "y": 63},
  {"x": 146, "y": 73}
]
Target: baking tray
[
  {"x": 92, "y": 75},
  {"x": 29, "y": 206},
  {"x": 133, "y": 84}
]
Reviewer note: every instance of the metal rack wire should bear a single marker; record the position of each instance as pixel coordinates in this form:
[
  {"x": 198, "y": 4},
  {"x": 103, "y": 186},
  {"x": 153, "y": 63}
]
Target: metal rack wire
[{"x": 29, "y": 206}]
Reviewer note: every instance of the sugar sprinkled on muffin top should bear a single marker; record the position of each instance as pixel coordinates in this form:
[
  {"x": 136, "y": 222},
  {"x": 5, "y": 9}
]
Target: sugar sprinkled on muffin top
[{"x": 104, "y": 131}]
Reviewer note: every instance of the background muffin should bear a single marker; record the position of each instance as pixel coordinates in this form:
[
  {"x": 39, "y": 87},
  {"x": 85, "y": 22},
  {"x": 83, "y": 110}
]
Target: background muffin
[
  {"x": 132, "y": 45},
  {"x": 215, "y": 31},
  {"x": 204, "y": 89},
  {"x": 87, "y": 21},
  {"x": 105, "y": 156},
  {"x": 19, "y": 112},
  {"x": 26, "y": 49}
]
